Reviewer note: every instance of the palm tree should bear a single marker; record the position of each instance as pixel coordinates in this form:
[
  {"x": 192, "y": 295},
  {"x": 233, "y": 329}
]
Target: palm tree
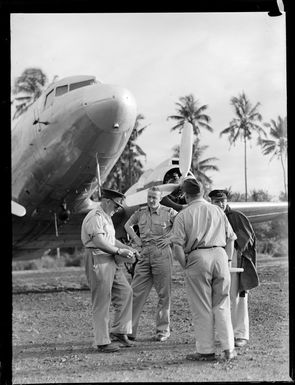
[
  {"x": 129, "y": 167},
  {"x": 278, "y": 147},
  {"x": 243, "y": 126},
  {"x": 200, "y": 166},
  {"x": 31, "y": 82},
  {"x": 189, "y": 110}
]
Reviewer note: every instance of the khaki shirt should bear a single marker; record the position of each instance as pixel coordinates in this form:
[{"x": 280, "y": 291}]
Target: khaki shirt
[
  {"x": 201, "y": 224},
  {"x": 153, "y": 225},
  {"x": 97, "y": 222}
]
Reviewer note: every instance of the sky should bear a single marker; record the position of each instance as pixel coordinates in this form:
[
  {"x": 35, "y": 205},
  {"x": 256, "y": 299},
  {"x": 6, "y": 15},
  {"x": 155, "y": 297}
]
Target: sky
[{"x": 161, "y": 57}]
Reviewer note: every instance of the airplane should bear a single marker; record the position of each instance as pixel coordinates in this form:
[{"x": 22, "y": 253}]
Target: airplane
[
  {"x": 63, "y": 148},
  {"x": 76, "y": 124}
]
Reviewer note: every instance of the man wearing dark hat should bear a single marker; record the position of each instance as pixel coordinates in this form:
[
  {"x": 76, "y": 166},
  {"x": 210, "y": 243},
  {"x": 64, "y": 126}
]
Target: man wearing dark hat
[
  {"x": 203, "y": 244},
  {"x": 107, "y": 282},
  {"x": 244, "y": 256}
]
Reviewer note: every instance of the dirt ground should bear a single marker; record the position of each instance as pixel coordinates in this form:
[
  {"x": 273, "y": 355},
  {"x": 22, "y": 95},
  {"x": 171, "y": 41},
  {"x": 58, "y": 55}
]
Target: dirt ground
[{"x": 52, "y": 334}]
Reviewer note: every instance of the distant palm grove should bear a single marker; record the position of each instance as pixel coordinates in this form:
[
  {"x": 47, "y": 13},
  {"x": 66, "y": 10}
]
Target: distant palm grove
[{"x": 246, "y": 121}]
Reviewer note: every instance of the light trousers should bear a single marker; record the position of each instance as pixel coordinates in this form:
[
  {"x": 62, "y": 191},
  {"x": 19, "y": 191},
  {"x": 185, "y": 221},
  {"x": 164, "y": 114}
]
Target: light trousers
[
  {"x": 207, "y": 280},
  {"x": 108, "y": 284},
  {"x": 154, "y": 268},
  {"x": 239, "y": 305}
]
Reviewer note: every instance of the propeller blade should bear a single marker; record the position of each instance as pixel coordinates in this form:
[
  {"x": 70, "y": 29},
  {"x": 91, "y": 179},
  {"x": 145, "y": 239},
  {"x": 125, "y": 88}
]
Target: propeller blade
[
  {"x": 17, "y": 209},
  {"x": 98, "y": 179},
  {"x": 140, "y": 197},
  {"x": 186, "y": 148}
]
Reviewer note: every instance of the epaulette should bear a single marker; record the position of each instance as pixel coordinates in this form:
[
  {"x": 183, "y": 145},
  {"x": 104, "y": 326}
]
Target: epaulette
[{"x": 166, "y": 208}]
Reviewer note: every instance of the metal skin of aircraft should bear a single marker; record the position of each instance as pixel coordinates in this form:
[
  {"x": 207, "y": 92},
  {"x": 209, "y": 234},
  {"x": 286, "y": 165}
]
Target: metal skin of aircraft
[{"x": 75, "y": 125}]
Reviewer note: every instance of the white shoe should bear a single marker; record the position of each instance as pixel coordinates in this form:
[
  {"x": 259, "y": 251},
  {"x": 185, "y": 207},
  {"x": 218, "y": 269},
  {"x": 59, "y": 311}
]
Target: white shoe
[{"x": 161, "y": 338}]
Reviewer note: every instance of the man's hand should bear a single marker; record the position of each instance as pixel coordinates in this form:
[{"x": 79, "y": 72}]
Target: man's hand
[
  {"x": 162, "y": 243},
  {"x": 136, "y": 253},
  {"x": 125, "y": 255}
]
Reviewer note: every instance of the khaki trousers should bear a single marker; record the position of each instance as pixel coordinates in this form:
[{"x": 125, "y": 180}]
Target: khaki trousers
[
  {"x": 154, "y": 268},
  {"x": 108, "y": 284},
  {"x": 239, "y": 305},
  {"x": 207, "y": 280}
]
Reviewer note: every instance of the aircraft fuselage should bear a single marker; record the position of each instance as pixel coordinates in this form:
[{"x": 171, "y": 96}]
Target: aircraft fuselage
[{"x": 56, "y": 144}]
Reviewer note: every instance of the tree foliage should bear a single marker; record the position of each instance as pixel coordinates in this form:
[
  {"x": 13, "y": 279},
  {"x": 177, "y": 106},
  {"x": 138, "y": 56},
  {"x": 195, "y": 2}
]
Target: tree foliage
[
  {"x": 188, "y": 109},
  {"x": 32, "y": 82},
  {"x": 278, "y": 145},
  {"x": 243, "y": 125}
]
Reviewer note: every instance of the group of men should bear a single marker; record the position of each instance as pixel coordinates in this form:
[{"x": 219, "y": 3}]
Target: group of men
[{"x": 205, "y": 238}]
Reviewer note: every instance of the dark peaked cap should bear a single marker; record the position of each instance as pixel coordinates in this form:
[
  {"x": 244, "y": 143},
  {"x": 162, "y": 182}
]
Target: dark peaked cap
[
  {"x": 191, "y": 186},
  {"x": 112, "y": 194},
  {"x": 218, "y": 194}
]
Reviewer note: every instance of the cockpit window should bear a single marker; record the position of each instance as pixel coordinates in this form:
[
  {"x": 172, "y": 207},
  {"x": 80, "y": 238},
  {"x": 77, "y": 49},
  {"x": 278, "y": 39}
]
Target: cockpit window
[
  {"x": 61, "y": 90},
  {"x": 74, "y": 86},
  {"x": 49, "y": 99}
]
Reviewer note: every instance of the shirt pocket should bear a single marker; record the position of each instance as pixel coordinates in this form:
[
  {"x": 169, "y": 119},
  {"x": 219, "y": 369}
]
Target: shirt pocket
[{"x": 158, "y": 226}]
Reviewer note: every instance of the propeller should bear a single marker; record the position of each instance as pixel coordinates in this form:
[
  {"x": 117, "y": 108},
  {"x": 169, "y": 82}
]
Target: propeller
[
  {"x": 185, "y": 158},
  {"x": 98, "y": 179},
  {"x": 186, "y": 146}
]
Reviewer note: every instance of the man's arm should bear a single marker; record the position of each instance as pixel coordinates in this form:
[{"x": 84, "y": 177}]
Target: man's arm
[
  {"x": 229, "y": 249},
  {"x": 179, "y": 255},
  {"x": 129, "y": 229}
]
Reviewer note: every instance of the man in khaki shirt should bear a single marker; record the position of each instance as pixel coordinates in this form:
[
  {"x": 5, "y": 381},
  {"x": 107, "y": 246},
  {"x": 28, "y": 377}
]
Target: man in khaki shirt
[
  {"x": 203, "y": 245},
  {"x": 154, "y": 266},
  {"x": 104, "y": 255}
]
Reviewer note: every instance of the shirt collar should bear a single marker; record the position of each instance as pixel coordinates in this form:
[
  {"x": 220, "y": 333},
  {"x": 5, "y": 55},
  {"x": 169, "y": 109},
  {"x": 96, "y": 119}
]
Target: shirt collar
[
  {"x": 197, "y": 200},
  {"x": 156, "y": 211}
]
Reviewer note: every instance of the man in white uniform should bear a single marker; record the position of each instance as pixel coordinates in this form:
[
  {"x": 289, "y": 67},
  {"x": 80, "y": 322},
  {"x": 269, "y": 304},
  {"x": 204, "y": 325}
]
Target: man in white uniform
[
  {"x": 203, "y": 245},
  {"x": 107, "y": 282}
]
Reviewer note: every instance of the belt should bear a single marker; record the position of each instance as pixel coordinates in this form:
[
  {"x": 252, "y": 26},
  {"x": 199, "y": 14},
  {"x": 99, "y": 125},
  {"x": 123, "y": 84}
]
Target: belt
[{"x": 205, "y": 247}]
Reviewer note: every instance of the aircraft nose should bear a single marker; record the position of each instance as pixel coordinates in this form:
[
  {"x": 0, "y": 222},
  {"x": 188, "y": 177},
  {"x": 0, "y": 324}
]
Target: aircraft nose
[{"x": 110, "y": 108}]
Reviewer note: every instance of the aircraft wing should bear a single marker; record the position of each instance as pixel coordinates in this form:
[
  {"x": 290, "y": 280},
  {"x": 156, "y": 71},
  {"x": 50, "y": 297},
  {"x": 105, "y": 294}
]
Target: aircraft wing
[
  {"x": 44, "y": 236},
  {"x": 258, "y": 212}
]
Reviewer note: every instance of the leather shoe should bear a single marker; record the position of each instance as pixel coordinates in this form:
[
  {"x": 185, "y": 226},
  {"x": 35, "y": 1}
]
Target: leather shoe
[
  {"x": 121, "y": 338},
  {"x": 239, "y": 342},
  {"x": 201, "y": 357},
  {"x": 109, "y": 348},
  {"x": 229, "y": 354},
  {"x": 130, "y": 337}
]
